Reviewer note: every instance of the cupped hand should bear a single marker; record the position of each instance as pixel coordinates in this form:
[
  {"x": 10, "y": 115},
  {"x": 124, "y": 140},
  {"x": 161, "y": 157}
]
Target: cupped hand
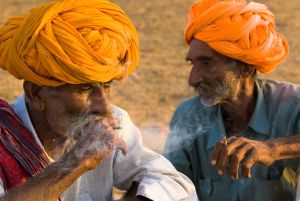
[{"x": 96, "y": 140}]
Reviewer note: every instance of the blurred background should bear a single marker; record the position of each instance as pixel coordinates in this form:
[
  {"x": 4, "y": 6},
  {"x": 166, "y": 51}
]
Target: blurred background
[{"x": 160, "y": 83}]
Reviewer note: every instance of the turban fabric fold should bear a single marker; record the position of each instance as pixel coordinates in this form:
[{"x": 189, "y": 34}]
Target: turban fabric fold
[
  {"x": 70, "y": 41},
  {"x": 239, "y": 30}
]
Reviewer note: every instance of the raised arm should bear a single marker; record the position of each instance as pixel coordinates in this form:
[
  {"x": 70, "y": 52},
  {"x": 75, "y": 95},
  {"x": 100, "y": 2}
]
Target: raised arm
[{"x": 97, "y": 142}]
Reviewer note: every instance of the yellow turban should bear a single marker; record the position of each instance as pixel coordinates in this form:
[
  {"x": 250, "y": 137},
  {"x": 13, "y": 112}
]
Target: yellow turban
[
  {"x": 239, "y": 30},
  {"x": 70, "y": 41}
]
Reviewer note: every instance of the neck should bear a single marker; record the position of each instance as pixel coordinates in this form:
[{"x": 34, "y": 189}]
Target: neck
[
  {"x": 52, "y": 142},
  {"x": 238, "y": 110}
]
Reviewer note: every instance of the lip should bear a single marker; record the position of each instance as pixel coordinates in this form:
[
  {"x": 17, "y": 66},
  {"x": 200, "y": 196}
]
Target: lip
[{"x": 201, "y": 90}]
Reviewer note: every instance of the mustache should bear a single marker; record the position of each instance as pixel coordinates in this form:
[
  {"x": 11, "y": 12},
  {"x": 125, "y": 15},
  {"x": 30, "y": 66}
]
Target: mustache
[
  {"x": 92, "y": 114},
  {"x": 75, "y": 130},
  {"x": 203, "y": 85},
  {"x": 81, "y": 121},
  {"x": 209, "y": 87}
]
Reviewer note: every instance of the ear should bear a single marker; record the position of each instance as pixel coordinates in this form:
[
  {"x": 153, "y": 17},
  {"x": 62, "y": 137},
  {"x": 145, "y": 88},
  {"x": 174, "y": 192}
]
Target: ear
[
  {"x": 245, "y": 70},
  {"x": 33, "y": 95}
]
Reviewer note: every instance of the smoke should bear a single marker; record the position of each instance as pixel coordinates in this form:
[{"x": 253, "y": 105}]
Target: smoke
[
  {"x": 154, "y": 136},
  {"x": 186, "y": 128},
  {"x": 79, "y": 134}
]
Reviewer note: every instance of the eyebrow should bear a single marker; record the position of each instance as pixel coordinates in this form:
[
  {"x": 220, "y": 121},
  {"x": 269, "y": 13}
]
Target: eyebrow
[
  {"x": 188, "y": 58},
  {"x": 109, "y": 82}
]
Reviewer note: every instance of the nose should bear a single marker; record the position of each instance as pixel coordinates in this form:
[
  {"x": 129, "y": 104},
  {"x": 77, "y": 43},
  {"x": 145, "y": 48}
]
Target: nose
[
  {"x": 100, "y": 101},
  {"x": 196, "y": 76}
]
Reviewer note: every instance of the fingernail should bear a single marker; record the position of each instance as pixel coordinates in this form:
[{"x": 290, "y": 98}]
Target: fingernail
[
  {"x": 213, "y": 162},
  {"x": 220, "y": 172}
]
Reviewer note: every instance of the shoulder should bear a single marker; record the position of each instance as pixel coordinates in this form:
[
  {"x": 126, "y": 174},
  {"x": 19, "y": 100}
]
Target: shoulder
[
  {"x": 129, "y": 132},
  {"x": 282, "y": 97},
  {"x": 119, "y": 112},
  {"x": 282, "y": 101},
  {"x": 280, "y": 90},
  {"x": 122, "y": 117},
  {"x": 4, "y": 105}
]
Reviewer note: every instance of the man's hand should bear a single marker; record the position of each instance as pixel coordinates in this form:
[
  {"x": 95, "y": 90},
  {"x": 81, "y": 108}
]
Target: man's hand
[
  {"x": 242, "y": 151},
  {"x": 96, "y": 141}
]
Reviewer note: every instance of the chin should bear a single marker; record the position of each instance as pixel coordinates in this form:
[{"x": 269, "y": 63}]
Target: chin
[{"x": 209, "y": 102}]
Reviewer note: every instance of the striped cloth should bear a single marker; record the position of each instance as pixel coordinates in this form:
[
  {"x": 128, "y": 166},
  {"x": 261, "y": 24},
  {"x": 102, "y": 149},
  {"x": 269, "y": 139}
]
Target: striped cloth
[{"x": 20, "y": 156}]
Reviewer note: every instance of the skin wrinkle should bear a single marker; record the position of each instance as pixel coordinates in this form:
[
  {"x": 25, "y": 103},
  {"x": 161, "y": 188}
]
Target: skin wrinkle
[
  {"x": 70, "y": 85},
  {"x": 75, "y": 103},
  {"x": 234, "y": 35},
  {"x": 218, "y": 82},
  {"x": 77, "y": 131},
  {"x": 94, "y": 138},
  {"x": 214, "y": 86}
]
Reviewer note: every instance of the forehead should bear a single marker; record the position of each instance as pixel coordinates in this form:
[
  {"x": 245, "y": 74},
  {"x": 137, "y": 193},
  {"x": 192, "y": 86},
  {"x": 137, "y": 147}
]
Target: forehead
[
  {"x": 66, "y": 89},
  {"x": 199, "y": 48}
]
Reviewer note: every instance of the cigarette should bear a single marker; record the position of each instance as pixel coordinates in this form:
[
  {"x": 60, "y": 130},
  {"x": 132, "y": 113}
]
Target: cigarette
[
  {"x": 117, "y": 127},
  {"x": 225, "y": 140}
]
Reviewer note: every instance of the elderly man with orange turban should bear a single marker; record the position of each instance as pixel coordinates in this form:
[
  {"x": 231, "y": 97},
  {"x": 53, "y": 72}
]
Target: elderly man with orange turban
[
  {"x": 238, "y": 126},
  {"x": 62, "y": 139}
]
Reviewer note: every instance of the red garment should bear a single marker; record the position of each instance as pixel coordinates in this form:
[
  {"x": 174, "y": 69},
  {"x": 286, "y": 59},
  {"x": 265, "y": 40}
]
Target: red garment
[{"x": 20, "y": 156}]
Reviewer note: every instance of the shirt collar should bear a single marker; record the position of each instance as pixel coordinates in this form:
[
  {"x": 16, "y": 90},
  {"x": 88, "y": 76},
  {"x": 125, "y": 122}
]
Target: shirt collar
[{"x": 259, "y": 120}]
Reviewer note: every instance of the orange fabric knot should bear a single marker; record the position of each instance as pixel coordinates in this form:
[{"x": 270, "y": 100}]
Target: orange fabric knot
[
  {"x": 239, "y": 30},
  {"x": 70, "y": 41}
]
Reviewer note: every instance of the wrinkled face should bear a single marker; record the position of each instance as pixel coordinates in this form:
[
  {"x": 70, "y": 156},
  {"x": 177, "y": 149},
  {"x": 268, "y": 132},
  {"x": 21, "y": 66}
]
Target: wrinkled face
[
  {"x": 65, "y": 104},
  {"x": 213, "y": 76}
]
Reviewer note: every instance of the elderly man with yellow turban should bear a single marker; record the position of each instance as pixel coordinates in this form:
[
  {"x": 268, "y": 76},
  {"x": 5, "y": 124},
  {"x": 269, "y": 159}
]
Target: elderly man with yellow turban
[
  {"x": 62, "y": 139},
  {"x": 237, "y": 120}
]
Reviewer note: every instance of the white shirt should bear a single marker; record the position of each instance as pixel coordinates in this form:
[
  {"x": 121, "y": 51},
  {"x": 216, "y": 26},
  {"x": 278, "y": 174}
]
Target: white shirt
[{"x": 158, "y": 179}]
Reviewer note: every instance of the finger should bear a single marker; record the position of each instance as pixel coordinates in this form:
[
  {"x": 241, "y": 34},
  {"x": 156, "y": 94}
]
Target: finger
[
  {"x": 111, "y": 135},
  {"x": 234, "y": 143},
  {"x": 226, "y": 151},
  {"x": 231, "y": 139},
  {"x": 121, "y": 144},
  {"x": 216, "y": 152},
  {"x": 248, "y": 163},
  {"x": 236, "y": 158},
  {"x": 113, "y": 122},
  {"x": 223, "y": 161}
]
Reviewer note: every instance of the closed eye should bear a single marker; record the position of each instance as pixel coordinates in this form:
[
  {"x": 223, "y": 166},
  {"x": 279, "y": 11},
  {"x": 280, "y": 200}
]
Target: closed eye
[
  {"x": 86, "y": 87},
  {"x": 106, "y": 85}
]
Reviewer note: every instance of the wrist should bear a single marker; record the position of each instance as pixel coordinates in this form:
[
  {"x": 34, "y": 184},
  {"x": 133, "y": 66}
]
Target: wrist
[
  {"x": 274, "y": 150},
  {"x": 65, "y": 172},
  {"x": 285, "y": 148}
]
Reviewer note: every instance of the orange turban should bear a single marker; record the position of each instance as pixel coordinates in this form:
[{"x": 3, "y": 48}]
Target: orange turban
[
  {"x": 239, "y": 30},
  {"x": 70, "y": 41}
]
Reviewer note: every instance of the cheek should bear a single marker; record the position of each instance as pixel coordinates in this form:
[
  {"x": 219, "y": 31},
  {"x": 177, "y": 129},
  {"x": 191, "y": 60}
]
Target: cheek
[
  {"x": 196, "y": 76},
  {"x": 61, "y": 113},
  {"x": 230, "y": 80},
  {"x": 57, "y": 118},
  {"x": 76, "y": 106}
]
